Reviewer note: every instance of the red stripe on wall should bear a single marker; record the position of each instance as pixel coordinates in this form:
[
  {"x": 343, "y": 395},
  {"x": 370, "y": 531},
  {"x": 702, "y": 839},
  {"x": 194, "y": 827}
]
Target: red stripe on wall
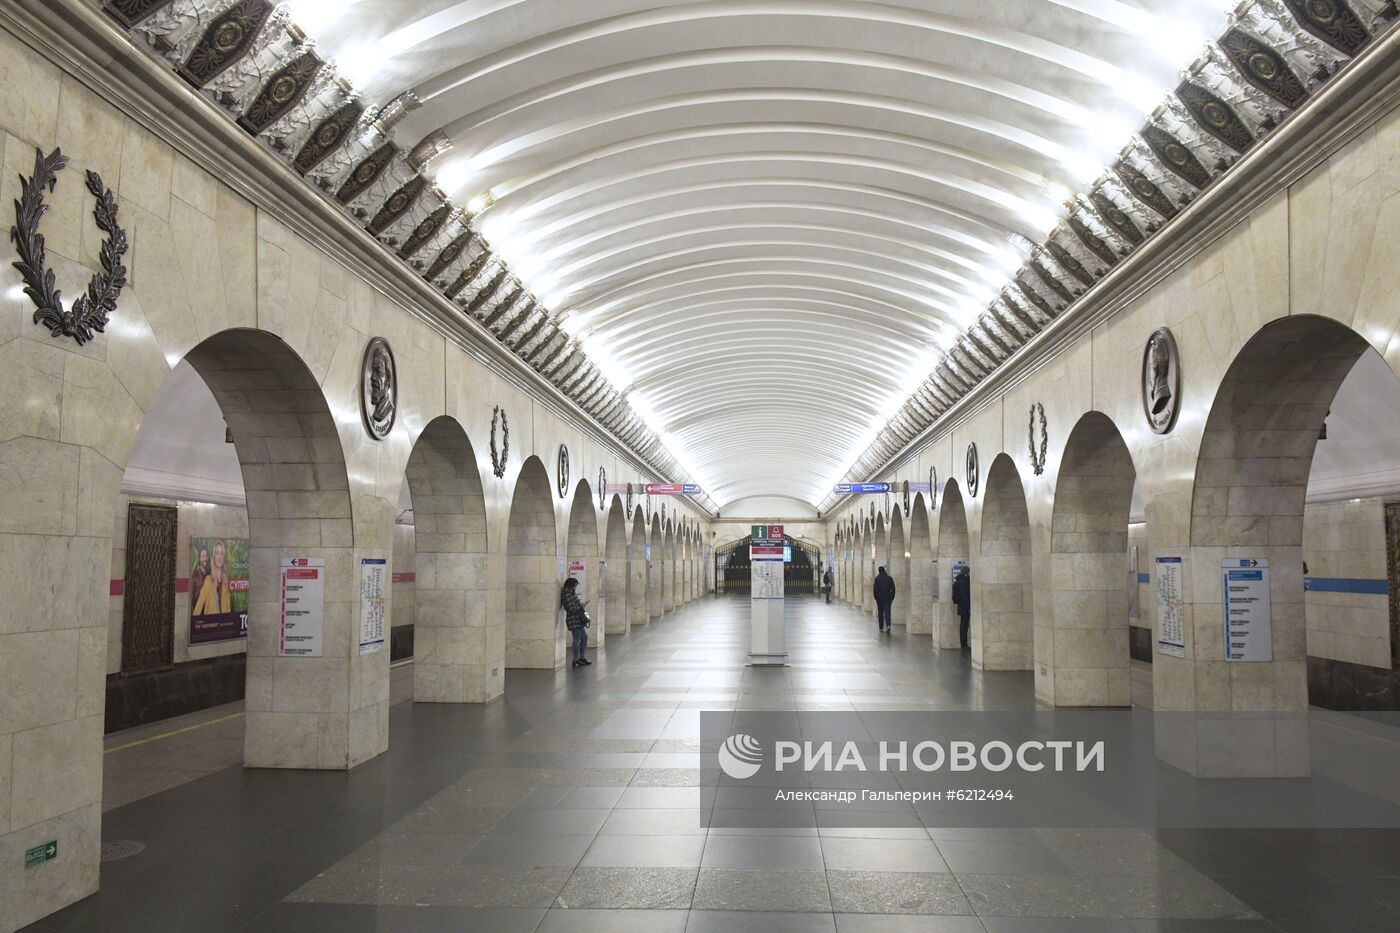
[
  {"x": 408, "y": 576},
  {"x": 118, "y": 587}
]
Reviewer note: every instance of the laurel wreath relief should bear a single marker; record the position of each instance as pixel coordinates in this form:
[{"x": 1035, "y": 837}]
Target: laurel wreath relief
[
  {"x": 90, "y": 312},
  {"x": 500, "y": 457},
  {"x": 1038, "y": 457}
]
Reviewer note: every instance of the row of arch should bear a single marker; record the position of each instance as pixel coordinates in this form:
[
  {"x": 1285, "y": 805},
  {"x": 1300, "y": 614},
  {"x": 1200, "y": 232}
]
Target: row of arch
[
  {"x": 1050, "y": 590},
  {"x": 634, "y": 568},
  {"x": 1089, "y": 544},
  {"x": 490, "y": 557}
]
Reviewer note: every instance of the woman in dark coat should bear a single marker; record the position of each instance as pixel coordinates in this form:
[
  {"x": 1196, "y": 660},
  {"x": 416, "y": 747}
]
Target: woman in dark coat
[{"x": 576, "y": 619}]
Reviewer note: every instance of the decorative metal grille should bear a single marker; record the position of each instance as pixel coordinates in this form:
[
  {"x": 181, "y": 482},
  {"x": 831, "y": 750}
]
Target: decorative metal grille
[
  {"x": 1392, "y": 569},
  {"x": 148, "y": 602}
]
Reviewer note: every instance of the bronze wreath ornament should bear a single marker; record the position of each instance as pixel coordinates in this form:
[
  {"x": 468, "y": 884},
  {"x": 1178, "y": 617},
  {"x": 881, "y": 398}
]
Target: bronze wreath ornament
[
  {"x": 90, "y": 312},
  {"x": 500, "y": 458},
  {"x": 1038, "y": 457}
]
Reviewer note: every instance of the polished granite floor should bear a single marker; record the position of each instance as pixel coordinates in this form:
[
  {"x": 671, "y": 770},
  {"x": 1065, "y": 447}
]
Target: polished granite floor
[{"x": 572, "y": 805}]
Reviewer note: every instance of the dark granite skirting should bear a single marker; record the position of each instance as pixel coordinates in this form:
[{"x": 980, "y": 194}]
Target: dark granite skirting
[
  {"x": 136, "y": 699},
  {"x": 1342, "y": 685},
  {"x": 1140, "y": 643},
  {"x": 400, "y": 642}
]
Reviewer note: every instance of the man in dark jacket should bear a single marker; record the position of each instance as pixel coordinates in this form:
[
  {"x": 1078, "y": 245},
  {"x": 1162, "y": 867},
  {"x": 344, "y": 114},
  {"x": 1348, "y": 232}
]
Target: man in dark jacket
[
  {"x": 884, "y": 598},
  {"x": 962, "y": 599},
  {"x": 828, "y": 581}
]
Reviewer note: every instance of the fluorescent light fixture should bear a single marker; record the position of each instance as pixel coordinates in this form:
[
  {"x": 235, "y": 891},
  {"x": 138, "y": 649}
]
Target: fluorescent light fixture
[
  {"x": 482, "y": 201},
  {"x": 648, "y": 414},
  {"x": 1057, "y": 192},
  {"x": 570, "y": 322},
  {"x": 359, "y": 62},
  {"x": 313, "y": 16},
  {"x": 532, "y": 268},
  {"x": 607, "y": 364},
  {"x": 451, "y": 175},
  {"x": 1039, "y": 217}
]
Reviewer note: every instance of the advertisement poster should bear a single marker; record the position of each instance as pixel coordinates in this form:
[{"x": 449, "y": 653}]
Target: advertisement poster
[
  {"x": 1249, "y": 624},
  {"x": 1171, "y": 608},
  {"x": 218, "y": 589},
  {"x": 373, "y": 571},
  {"x": 303, "y": 616}
]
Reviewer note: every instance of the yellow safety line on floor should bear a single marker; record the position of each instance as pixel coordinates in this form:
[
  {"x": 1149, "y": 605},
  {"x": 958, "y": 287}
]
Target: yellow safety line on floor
[{"x": 166, "y": 735}]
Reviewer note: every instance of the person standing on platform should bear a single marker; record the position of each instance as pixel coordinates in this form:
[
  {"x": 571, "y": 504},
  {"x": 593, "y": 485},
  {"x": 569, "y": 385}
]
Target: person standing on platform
[
  {"x": 576, "y": 619},
  {"x": 962, "y": 599},
  {"x": 827, "y": 582},
  {"x": 884, "y": 598}
]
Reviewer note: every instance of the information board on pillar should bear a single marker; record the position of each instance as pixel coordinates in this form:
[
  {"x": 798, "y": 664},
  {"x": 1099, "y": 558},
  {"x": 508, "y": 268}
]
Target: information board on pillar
[
  {"x": 303, "y": 618},
  {"x": 1171, "y": 607},
  {"x": 1248, "y": 612},
  {"x": 578, "y": 570},
  {"x": 373, "y": 573},
  {"x": 766, "y": 562}
]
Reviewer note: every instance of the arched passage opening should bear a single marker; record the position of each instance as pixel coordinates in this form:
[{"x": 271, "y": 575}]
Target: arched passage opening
[
  {"x": 668, "y": 568},
  {"x": 1248, "y": 504},
  {"x": 860, "y": 575},
  {"x": 1085, "y": 654},
  {"x": 838, "y": 565},
  {"x": 919, "y": 607},
  {"x": 312, "y": 699},
  {"x": 454, "y": 637},
  {"x": 690, "y": 565},
  {"x": 1351, "y": 569},
  {"x": 898, "y": 568},
  {"x": 1003, "y": 604},
  {"x": 655, "y": 574},
  {"x": 878, "y": 555},
  {"x": 637, "y": 576},
  {"x": 616, "y": 611},
  {"x": 954, "y": 553},
  {"x": 581, "y": 549},
  {"x": 534, "y": 635}
]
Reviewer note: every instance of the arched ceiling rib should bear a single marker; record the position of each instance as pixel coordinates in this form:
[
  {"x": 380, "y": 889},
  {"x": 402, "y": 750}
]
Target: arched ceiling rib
[
  {"x": 626, "y": 149},
  {"x": 767, "y": 222}
]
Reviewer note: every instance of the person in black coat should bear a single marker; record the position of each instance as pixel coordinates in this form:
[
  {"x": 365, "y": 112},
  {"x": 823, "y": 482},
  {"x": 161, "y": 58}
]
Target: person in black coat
[
  {"x": 962, "y": 598},
  {"x": 576, "y": 620},
  {"x": 884, "y": 598},
  {"x": 828, "y": 581}
]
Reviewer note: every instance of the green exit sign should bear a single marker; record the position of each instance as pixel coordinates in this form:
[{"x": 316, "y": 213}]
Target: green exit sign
[{"x": 41, "y": 854}]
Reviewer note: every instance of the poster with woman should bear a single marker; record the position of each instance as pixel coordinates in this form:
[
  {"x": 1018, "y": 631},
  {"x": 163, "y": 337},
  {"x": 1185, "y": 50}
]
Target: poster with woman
[{"x": 218, "y": 589}]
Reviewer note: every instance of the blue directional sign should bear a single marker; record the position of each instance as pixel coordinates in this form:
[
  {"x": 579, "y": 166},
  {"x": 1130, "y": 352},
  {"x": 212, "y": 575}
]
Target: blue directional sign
[{"x": 860, "y": 489}]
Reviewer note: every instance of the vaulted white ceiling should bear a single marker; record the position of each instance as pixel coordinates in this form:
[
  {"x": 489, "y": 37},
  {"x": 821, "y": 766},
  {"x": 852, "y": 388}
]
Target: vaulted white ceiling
[{"x": 766, "y": 219}]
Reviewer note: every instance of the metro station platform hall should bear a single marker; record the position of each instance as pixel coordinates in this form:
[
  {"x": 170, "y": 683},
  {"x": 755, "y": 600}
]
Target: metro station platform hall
[{"x": 456, "y": 458}]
